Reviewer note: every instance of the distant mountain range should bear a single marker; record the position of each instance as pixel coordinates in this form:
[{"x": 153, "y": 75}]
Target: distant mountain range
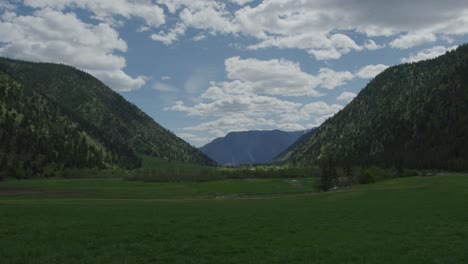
[
  {"x": 250, "y": 147},
  {"x": 54, "y": 116},
  {"x": 411, "y": 115}
]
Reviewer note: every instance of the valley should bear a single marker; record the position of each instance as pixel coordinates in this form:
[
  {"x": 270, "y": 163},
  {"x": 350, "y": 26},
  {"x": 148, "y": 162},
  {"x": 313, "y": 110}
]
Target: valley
[
  {"x": 415, "y": 220},
  {"x": 234, "y": 131}
]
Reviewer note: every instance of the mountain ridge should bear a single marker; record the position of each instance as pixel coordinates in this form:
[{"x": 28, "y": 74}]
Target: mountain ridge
[
  {"x": 106, "y": 117},
  {"x": 410, "y": 115},
  {"x": 250, "y": 147}
]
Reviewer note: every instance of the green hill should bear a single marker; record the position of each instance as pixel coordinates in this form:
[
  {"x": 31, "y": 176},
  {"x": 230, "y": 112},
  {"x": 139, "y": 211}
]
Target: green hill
[
  {"x": 56, "y": 115},
  {"x": 412, "y": 115}
]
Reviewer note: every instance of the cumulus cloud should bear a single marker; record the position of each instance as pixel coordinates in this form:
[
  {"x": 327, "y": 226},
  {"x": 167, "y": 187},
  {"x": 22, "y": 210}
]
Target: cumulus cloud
[
  {"x": 240, "y": 2},
  {"x": 322, "y": 47},
  {"x": 143, "y": 29},
  {"x": 6, "y": 5},
  {"x": 170, "y": 36},
  {"x": 311, "y": 112},
  {"x": 412, "y": 40},
  {"x": 370, "y": 71},
  {"x": 50, "y": 35},
  {"x": 247, "y": 100},
  {"x": 281, "y": 77},
  {"x": 208, "y": 15},
  {"x": 225, "y": 104},
  {"x": 428, "y": 54},
  {"x": 371, "y": 45},
  {"x": 198, "y": 140},
  {"x": 346, "y": 96},
  {"x": 323, "y": 27},
  {"x": 199, "y": 37},
  {"x": 108, "y": 10},
  {"x": 234, "y": 122}
]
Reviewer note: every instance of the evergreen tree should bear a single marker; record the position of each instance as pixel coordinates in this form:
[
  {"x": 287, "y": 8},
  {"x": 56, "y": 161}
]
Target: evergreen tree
[{"x": 328, "y": 177}]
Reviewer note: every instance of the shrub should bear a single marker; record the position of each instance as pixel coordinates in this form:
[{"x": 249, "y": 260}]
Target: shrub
[{"x": 366, "y": 178}]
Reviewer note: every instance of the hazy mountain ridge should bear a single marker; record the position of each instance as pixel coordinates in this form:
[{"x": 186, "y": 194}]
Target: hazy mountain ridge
[
  {"x": 411, "y": 115},
  {"x": 250, "y": 147}
]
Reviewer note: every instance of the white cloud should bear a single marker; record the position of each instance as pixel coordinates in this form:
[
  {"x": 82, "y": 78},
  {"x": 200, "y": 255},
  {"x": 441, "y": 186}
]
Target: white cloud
[
  {"x": 291, "y": 127},
  {"x": 209, "y": 15},
  {"x": 323, "y": 28},
  {"x": 246, "y": 101},
  {"x": 52, "y": 36},
  {"x": 6, "y": 5},
  {"x": 165, "y": 78},
  {"x": 370, "y": 71},
  {"x": 311, "y": 25},
  {"x": 240, "y": 2},
  {"x": 428, "y": 54},
  {"x": 323, "y": 47},
  {"x": 320, "y": 120},
  {"x": 198, "y": 140},
  {"x": 281, "y": 77},
  {"x": 412, "y": 40},
  {"x": 236, "y": 122},
  {"x": 311, "y": 111},
  {"x": 448, "y": 39},
  {"x": 331, "y": 79},
  {"x": 199, "y": 37},
  {"x": 346, "y": 96},
  {"x": 172, "y": 35},
  {"x": 163, "y": 87},
  {"x": 371, "y": 45},
  {"x": 143, "y": 29},
  {"x": 108, "y": 10},
  {"x": 225, "y": 104}
]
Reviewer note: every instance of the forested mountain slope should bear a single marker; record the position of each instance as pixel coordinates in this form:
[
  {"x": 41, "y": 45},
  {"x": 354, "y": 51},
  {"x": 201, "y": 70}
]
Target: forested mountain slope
[
  {"x": 66, "y": 101},
  {"x": 413, "y": 115},
  {"x": 36, "y": 138}
]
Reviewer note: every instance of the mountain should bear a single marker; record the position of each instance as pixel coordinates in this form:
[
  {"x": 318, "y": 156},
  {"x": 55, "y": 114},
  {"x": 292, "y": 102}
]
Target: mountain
[
  {"x": 411, "y": 115},
  {"x": 250, "y": 147},
  {"x": 57, "y": 109},
  {"x": 286, "y": 152}
]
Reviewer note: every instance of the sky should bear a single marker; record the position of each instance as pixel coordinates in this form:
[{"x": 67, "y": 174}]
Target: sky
[{"x": 203, "y": 68}]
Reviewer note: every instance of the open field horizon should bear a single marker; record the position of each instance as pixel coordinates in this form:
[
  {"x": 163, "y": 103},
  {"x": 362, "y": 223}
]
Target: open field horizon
[{"x": 404, "y": 220}]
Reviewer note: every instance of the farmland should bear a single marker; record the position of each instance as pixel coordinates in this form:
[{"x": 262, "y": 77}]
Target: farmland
[{"x": 407, "y": 220}]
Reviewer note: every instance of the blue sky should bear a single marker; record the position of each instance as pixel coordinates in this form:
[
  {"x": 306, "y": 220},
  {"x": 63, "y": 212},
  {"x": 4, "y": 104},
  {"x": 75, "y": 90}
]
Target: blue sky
[{"x": 207, "y": 67}]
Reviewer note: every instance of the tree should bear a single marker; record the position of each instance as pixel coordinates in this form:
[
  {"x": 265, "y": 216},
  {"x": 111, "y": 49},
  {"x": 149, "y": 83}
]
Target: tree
[{"x": 328, "y": 177}]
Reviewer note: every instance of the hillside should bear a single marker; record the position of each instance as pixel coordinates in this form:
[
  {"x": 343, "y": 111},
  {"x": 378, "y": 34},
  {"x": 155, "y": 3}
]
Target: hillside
[
  {"x": 61, "y": 105},
  {"x": 411, "y": 115},
  {"x": 250, "y": 147},
  {"x": 36, "y": 138}
]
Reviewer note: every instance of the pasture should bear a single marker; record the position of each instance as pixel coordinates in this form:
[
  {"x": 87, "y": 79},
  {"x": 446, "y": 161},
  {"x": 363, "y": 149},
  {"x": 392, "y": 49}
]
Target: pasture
[{"x": 406, "y": 220}]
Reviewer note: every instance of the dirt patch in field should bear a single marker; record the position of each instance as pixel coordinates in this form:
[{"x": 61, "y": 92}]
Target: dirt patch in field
[{"x": 13, "y": 192}]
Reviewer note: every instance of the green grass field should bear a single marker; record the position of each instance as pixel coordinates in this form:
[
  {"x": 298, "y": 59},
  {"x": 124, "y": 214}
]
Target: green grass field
[{"x": 408, "y": 220}]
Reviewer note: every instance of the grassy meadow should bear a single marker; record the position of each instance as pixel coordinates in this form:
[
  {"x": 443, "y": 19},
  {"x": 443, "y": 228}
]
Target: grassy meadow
[
  {"x": 159, "y": 170},
  {"x": 406, "y": 220}
]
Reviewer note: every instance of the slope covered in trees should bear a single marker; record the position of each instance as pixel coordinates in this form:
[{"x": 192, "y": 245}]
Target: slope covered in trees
[
  {"x": 65, "y": 117},
  {"x": 411, "y": 115},
  {"x": 36, "y": 138}
]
